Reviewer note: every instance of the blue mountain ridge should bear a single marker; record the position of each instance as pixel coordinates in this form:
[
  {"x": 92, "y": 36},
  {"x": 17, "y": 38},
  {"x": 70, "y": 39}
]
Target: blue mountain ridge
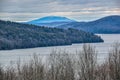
[
  {"x": 51, "y": 21},
  {"x": 108, "y": 24}
]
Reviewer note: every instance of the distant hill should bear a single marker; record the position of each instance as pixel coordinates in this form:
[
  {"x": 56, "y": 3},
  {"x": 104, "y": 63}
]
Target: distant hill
[
  {"x": 109, "y": 24},
  {"x": 51, "y": 21},
  {"x": 17, "y": 35}
]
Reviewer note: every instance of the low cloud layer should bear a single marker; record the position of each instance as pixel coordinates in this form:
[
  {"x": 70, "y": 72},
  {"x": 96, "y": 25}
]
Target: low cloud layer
[{"x": 83, "y": 10}]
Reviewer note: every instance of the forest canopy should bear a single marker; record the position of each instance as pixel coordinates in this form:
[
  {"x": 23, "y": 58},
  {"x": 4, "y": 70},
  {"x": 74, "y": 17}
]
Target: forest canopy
[{"x": 17, "y": 35}]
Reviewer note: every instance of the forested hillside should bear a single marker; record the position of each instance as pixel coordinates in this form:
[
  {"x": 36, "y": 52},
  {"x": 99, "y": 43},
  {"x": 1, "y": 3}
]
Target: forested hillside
[{"x": 16, "y": 35}]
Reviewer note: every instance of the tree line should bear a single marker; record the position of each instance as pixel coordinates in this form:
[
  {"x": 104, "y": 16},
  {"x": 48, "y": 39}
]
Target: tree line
[{"x": 18, "y": 35}]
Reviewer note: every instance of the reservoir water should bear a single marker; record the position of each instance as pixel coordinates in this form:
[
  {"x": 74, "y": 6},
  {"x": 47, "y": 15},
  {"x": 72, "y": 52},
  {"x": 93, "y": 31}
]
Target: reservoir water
[{"x": 25, "y": 54}]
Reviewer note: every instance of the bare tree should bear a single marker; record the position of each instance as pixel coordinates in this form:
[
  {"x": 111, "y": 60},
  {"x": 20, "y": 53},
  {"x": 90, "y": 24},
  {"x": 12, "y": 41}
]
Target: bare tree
[
  {"x": 87, "y": 63},
  {"x": 102, "y": 71},
  {"x": 61, "y": 66},
  {"x": 114, "y": 62},
  {"x": 1, "y": 72}
]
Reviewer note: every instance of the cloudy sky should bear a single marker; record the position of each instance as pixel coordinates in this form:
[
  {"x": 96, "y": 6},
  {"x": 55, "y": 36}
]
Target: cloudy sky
[{"x": 81, "y": 10}]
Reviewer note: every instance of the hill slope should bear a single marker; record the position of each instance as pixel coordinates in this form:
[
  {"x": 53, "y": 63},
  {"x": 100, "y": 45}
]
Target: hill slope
[
  {"x": 51, "y": 21},
  {"x": 109, "y": 24},
  {"x": 15, "y": 35}
]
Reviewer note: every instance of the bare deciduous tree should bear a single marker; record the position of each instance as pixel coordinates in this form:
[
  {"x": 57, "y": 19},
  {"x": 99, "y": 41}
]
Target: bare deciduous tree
[
  {"x": 87, "y": 63},
  {"x": 114, "y": 62},
  {"x": 63, "y": 66}
]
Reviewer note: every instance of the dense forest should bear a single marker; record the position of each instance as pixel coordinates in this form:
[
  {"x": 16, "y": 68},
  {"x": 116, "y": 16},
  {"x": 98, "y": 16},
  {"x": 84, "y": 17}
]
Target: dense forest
[{"x": 17, "y": 35}]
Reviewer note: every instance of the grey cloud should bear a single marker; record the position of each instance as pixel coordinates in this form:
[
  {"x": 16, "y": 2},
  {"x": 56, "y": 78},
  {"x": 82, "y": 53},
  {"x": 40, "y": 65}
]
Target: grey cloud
[
  {"x": 70, "y": 8},
  {"x": 52, "y": 5},
  {"x": 24, "y": 6}
]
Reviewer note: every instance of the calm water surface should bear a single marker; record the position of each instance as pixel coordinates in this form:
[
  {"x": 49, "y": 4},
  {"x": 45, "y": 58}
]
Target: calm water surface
[{"x": 25, "y": 54}]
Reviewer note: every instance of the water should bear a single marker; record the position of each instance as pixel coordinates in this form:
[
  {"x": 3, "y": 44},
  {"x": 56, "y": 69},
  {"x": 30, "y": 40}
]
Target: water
[{"x": 25, "y": 54}]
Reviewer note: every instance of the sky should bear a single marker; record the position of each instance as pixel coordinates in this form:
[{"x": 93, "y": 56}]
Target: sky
[{"x": 81, "y": 10}]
